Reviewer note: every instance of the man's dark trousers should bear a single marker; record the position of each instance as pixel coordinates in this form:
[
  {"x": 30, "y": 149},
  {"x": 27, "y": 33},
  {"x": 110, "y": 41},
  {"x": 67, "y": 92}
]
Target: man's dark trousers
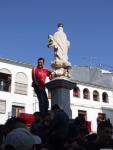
[{"x": 43, "y": 100}]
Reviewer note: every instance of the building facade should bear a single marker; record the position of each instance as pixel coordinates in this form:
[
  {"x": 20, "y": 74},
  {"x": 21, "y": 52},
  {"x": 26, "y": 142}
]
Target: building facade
[
  {"x": 92, "y": 96},
  {"x": 16, "y": 93}
]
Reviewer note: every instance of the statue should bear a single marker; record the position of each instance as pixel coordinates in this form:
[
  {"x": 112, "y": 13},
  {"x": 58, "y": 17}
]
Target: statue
[{"x": 61, "y": 45}]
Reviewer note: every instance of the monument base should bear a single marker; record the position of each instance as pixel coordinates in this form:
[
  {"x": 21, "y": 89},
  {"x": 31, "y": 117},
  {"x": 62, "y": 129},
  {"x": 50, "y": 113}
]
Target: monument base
[{"x": 60, "y": 93}]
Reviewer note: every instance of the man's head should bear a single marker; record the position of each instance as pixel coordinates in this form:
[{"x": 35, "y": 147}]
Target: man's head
[
  {"x": 40, "y": 62},
  {"x": 13, "y": 123},
  {"x": 21, "y": 139},
  {"x": 55, "y": 108},
  {"x": 36, "y": 115}
]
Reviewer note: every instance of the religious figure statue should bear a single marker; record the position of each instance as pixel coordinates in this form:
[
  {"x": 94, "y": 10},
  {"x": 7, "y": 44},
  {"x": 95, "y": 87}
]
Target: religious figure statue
[{"x": 61, "y": 45}]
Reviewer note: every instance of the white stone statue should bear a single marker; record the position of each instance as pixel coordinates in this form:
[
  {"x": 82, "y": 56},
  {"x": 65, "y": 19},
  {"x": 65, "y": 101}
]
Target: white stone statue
[{"x": 61, "y": 45}]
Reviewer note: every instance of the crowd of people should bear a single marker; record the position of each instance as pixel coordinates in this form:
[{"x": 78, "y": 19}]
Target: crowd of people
[{"x": 54, "y": 131}]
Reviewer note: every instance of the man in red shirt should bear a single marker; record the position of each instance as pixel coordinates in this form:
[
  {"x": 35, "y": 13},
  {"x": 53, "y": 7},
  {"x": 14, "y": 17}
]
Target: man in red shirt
[{"x": 39, "y": 74}]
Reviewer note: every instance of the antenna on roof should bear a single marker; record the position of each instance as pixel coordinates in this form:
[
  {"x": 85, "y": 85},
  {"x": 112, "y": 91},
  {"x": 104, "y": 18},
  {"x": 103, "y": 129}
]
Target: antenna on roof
[{"x": 92, "y": 60}]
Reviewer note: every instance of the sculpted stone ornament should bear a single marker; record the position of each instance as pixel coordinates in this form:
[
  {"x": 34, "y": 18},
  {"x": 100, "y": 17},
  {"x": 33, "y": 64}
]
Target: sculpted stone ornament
[{"x": 61, "y": 45}]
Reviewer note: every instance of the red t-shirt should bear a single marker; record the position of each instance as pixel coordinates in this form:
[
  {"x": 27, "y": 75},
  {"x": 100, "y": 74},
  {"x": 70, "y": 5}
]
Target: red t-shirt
[{"x": 39, "y": 75}]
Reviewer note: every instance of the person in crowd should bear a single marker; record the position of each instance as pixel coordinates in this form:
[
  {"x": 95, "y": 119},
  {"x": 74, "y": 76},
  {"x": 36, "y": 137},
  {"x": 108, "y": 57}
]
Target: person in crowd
[
  {"x": 13, "y": 123},
  {"x": 37, "y": 127},
  {"x": 80, "y": 125},
  {"x": 1, "y": 136},
  {"x": 103, "y": 138},
  {"x": 39, "y": 74},
  {"x": 18, "y": 136},
  {"x": 100, "y": 119},
  {"x": 59, "y": 127},
  {"x": 78, "y": 128},
  {"x": 104, "y": 134},
  {"x": 77, "y": 133}
]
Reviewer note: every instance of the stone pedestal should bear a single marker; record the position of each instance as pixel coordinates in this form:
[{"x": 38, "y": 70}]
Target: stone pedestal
[{"x": 60, "y": 93}]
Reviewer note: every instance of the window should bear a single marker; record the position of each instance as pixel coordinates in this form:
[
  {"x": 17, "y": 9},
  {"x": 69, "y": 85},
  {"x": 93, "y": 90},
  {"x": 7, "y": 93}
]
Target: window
[
  {"x": 76, "y": 92},
  {"x": 16, "y": 110},
  {"x": 105, "y": 97},
  {"x": 5, "y": 80},
  {"x": 86, "y": 94},
  {"x": 95, "y": 95},
  {"x": 21, "y": 83},
  {"x": 82, "y": 113}
]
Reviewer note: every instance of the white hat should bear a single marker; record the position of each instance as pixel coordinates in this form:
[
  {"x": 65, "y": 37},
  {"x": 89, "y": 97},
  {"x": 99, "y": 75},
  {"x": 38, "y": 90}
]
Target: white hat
[{"x": 21, "y": 139}]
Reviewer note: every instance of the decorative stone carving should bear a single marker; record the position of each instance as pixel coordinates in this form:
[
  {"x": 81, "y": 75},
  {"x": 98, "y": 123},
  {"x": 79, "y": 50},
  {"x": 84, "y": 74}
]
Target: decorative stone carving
[{"x": 61, "y": 45}]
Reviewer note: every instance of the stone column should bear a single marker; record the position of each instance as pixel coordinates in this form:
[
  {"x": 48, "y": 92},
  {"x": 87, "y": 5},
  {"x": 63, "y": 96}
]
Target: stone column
[{"x": 60, "y": 93}]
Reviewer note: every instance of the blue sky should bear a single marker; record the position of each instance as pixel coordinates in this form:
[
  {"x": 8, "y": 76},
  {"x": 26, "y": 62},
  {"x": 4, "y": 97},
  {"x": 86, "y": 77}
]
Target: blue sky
[{"x": 25, "y": 25}]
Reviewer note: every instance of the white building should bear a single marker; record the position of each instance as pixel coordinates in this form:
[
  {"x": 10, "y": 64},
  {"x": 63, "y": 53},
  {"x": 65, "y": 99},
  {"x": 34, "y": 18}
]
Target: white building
[
  {"x": 16, "y": 96},
  {"x": 92, "y": 96}
]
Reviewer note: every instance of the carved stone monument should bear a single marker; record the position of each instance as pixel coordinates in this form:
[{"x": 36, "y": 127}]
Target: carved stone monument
[
  {"x": 60, "y": 85},
  {"x": 61, "y": 45}
]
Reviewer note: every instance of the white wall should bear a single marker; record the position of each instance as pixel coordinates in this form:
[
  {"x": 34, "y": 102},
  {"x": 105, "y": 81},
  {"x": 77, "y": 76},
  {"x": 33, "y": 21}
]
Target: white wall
[{"x": 27, "y": 101}]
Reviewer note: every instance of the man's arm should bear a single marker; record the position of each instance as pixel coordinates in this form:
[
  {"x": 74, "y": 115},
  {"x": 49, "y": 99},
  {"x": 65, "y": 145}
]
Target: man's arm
[
  {"x": 34, "y": 78},
  {"x": 50, "y": 74}
]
